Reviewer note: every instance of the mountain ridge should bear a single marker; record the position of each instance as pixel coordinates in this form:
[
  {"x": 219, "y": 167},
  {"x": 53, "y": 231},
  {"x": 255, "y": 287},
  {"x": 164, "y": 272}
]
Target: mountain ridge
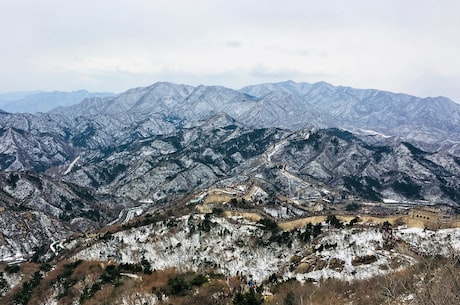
[
  {"x": 164, "y": 142},
  {"x": 133, "y": 196},
  {"x": 322, "y": 104}
]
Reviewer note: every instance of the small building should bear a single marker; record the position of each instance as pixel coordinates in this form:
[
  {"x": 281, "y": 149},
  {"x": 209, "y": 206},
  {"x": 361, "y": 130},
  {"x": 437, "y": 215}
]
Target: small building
[
  {"x": 429, "y": 217},
  {"x": 425, "y": 214}
]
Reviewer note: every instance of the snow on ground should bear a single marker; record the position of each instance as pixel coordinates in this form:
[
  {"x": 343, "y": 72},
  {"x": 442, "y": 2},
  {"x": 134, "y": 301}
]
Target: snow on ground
[
  {"x": 373, "y": 132},
  {"x": 52, "y": 299},
  {"x": 347, "y": 245},
  {"x": 228, "y": 247},
  {"x": 269, "y": 154},
  {"x": 22, "y": 190},
  {"x": 237, "y": 245},
  {"x": 139, "y": 299},
  {"x": 69, "y": 169},
  {"x": 12, "y": 279},
  {"x": 443, "y": 242}
]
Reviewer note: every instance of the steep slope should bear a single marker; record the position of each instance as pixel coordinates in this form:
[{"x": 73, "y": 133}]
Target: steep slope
[
  {"x": 87, "y": 107},
  {"x": 419, "y": 119},
  {"x": 36, "y": 142},
  {"x": 398, "y": 171},
  {"x": 203, "y": 259},
  {"x": 23, "y": 150},
  {"x": 167, "y": 167},
  {"x": 292, "y": 106},
  {"x": 157, "y": 98},
  {"x": 173, "y": 165},
  {"x": 34, "y": 210}
]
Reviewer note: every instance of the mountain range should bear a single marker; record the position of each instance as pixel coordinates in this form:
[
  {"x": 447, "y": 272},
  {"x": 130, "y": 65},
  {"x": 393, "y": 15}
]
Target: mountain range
[
  {"x": 146, "y": 194},
  {"x": 289, "y": 105},
  {"x": 162, "y": 143},
  {"x": 166, "y": 141}
]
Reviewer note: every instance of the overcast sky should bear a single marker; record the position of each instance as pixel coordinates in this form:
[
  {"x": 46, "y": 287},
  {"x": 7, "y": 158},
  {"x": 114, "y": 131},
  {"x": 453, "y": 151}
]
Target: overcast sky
[{"x": 410, "y": 46}]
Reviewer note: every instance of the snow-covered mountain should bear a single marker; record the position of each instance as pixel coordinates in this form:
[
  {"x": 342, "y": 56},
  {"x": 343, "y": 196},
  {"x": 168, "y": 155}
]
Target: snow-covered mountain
[
  {"x": 292, "y": 106},
  {"x": 282, "y": 151},
  {"x": 35, "y": 209},
  {"x": 96, "y": 182},
  {"x": 174, "y": 165},
  {"x": 173, "y": 139}
]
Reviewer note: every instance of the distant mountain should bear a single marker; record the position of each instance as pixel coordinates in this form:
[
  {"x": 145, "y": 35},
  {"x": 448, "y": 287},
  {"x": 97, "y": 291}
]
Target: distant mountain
[
  {"x": 45, "y": 101},
  {"x": 365, "y": 111},
  {"x": 13, "y": 96},
  {"x": 292, "y": 106}
]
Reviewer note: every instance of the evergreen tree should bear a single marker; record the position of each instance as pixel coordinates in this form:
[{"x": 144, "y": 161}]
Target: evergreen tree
[
  {"x": 316, "y": 230},
  {"x": 239, "y": 299},
  {"x": 333, "y": 221},
  {"x": 248, "y": 298},
  {"x": 289, "y": 299}
]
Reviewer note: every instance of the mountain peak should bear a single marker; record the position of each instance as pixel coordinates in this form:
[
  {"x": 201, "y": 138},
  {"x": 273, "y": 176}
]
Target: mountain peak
[{"x": 294, "y": 106}]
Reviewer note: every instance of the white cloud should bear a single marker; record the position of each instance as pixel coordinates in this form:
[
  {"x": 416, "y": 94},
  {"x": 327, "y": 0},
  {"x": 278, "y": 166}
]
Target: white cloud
[{"x": 107, "y": 44}]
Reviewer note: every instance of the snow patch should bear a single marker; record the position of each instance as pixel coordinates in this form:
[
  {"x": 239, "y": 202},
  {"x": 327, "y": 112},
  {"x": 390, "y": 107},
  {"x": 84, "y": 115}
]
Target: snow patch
[{"x": 69, "y": 169}]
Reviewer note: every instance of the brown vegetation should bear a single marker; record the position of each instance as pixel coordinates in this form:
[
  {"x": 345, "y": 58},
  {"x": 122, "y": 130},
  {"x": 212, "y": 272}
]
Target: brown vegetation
[{"x": 433, "y": 280}]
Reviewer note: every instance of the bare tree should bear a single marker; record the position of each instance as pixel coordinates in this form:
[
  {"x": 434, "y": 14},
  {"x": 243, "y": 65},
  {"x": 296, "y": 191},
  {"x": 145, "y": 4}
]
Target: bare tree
[{"x": 438, "y": 280}]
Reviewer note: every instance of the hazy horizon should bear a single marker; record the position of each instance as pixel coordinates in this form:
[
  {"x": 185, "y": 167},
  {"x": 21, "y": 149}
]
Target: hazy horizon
[{"x": 110, "y": 46}]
